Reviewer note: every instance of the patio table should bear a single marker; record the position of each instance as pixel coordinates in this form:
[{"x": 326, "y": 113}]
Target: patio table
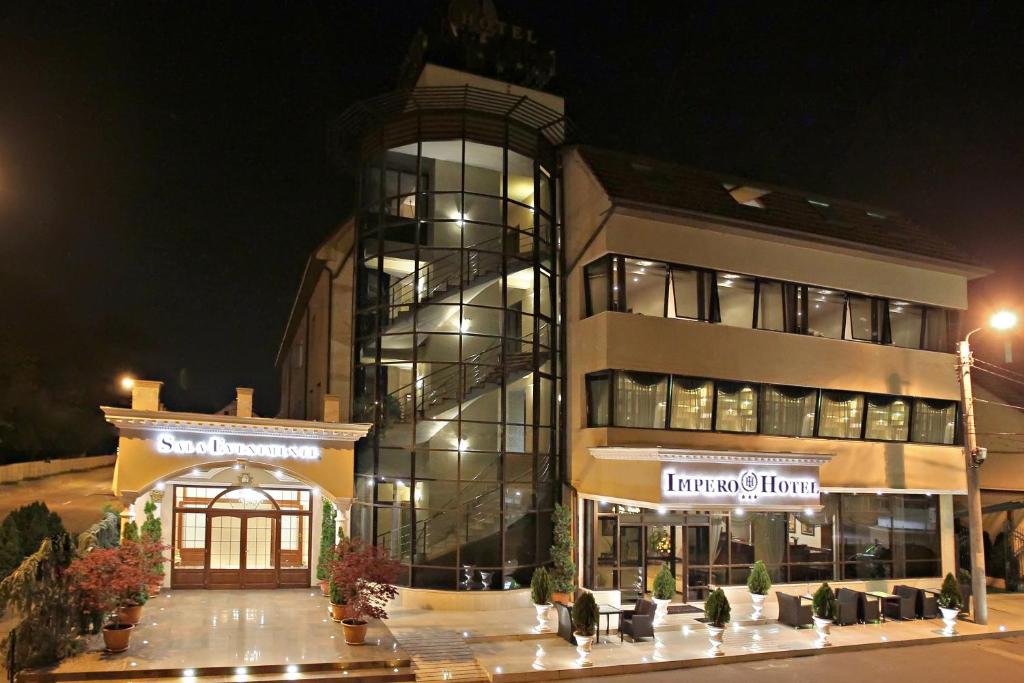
[
  {"x": 607, "y": 611},
  {"x": 882, "y": 597}
]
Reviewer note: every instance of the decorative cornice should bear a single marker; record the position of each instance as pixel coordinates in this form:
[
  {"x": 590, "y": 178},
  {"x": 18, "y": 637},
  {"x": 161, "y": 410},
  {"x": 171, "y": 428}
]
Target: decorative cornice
[
  {"x": 659, "y": 454},
  {"x": 200, "y": 423}
]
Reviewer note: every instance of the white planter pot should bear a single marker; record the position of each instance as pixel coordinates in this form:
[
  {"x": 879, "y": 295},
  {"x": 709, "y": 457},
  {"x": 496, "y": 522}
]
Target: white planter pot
[
  {"x": 715, "y": 634},
  {"x": 543, "y": 612},
  {"x": 660, "y": 611},
  {"x": 757, "y": 600},
  {"x": 949, "y": 618},
  {"x": 823, "y": 627},
  {"x": 583, "y": 646}
]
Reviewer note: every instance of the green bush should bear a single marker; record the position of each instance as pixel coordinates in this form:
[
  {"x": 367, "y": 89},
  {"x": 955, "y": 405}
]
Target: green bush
[
  {"x": 963, "y": 576},
  {"x": 759, "y": 582},
  {"x": 540, "y": 587},
  {"x": 949, "y": 594},
  {"x": 664, "y": 584},
  {"x": 716, "y": 608},
  {"x": 22, "y": 531},
  {"x": 131, "y": 531},
  {"x": 563, "y": 576},
  {"x": 328, "y": 524},
  {"x": 824, "y": 601},
  {"x": 105, "y": 533},
  {"x": 585, "y": 614},
  {"x": 152, "y": 529}
]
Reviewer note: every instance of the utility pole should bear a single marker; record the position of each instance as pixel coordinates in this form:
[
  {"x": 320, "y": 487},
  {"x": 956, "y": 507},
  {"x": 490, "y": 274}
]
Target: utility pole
[{"x": 973, "y": 464}]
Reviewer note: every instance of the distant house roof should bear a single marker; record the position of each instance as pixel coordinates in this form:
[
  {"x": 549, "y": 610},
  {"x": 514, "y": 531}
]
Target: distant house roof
[{"x": 632, "y": 178}]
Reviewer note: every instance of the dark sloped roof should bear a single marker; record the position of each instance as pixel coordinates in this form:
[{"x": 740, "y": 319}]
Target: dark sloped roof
[{"x": 629, "y": 177}]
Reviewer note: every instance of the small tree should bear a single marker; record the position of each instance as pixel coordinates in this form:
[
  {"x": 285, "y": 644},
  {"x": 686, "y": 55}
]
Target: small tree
[
  {"x": 105, "y": 581},
  {"x": 563, "y": 576},
  {"x": 151, "y": 535},
  {"x": 22, "y": 531},
  {"x": 540, "y": 587},
  {"x": 664, "y": 584},
  {"x": 759, "y": 582},
  {"x": 585, "y": 614},
  {"x": 949, "y": 594},
  {"x": 362, "y": 578},
  {"x": 716, "y": 609},
  {"x": 131, "y": 532},
  {"x": 824, "y": 602},
  {"x": 328, "y": 524}
]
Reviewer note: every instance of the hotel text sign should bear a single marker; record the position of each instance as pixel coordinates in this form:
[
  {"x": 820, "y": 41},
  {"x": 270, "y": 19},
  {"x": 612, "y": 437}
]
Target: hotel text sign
[
  {"x": 740, "y": 484},
  {"x": 169, "y": 444}
]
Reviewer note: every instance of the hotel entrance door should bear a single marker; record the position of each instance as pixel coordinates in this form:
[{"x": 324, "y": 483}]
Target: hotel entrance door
[{"x": 233, "y": 537}]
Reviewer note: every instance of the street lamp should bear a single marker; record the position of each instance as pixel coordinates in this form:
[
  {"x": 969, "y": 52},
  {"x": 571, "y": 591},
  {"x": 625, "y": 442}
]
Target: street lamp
[{"x": 973, "y": 458}]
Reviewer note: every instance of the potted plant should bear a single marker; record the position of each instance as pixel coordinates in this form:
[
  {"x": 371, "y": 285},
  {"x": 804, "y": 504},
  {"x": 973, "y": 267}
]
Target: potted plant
[
  {"x": 759, "y": 583},
  {"x": 950, "y": 601},
  {"x": 664, "y": 591},
  {"x": 328, "y": 524},
  {"x": 151, "y": 535},
  {"x": 584, "y": 618},
  {"x": 825, "y": 608},
  {"x": 362, "y": 578},
  {"x": 540, "y": 594},
  {"x": 104, "y": 583},
  {"x": 136, "y": 564},
  {"x": 716, "y": 616},
  {"x": 563, "y": 576},
  {"x": 339, "y": 611}
]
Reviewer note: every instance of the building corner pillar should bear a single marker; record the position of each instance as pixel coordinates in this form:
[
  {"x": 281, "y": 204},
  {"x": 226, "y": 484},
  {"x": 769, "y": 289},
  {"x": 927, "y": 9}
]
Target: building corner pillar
[{"x": 947, "y": 536}]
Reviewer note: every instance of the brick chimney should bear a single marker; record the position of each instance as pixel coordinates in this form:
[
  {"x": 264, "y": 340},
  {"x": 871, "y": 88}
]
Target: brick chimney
[
  {"x": 243, "y": 402},
  {"x": 146, "y": 394}
]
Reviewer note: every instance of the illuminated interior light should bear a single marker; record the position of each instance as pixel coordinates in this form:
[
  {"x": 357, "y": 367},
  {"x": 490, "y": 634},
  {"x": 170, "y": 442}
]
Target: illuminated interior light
[
  {"x": 292, "y": 668},
  {"x": 241, "y": 671}
]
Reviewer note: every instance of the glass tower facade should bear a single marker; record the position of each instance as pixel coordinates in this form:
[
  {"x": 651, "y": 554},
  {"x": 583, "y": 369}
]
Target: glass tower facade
[{"x": 456, "y": 358}]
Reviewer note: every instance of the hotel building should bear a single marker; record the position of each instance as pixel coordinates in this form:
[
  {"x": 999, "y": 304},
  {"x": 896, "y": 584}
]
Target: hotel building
[{"x": 707, "y": 370}]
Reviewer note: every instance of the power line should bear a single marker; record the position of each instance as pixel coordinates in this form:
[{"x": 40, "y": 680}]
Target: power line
[
  {"x": 1003, "y": 377},
  {"x": 997, "y": 403},
  {"x": 1000, "y": 368}
]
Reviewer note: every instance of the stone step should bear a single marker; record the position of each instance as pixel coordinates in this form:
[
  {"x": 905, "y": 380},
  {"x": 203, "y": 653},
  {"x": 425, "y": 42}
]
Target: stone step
[{"x": 357, "y": 672}]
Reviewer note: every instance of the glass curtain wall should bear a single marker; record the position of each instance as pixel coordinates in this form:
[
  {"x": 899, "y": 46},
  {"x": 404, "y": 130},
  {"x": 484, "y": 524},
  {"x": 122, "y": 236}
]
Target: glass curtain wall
[{"x": 456, "y": 361}]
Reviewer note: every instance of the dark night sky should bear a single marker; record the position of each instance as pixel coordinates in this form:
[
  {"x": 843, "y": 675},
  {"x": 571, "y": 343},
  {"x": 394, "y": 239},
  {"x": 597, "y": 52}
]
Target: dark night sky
[{"x": 164, "y": 171}]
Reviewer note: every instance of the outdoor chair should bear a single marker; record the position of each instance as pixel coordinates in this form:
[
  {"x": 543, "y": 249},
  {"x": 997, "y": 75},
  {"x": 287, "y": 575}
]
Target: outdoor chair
[
  {"x": 905, "y": 607},
  {"x": 927, "y": 605},
  {"x": 792, "y": 612},
  {"x": 848, "y": 603},
  {"x": 869, "y": 610},
  {"x": 639, "y": 623},
  {"x": 565, "y": 625}
]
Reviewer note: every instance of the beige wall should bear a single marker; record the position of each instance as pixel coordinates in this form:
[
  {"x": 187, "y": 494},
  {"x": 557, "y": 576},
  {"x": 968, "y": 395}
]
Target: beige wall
[
  {"x": 1004, "y": 468},
  {"x": 44, "y": 468}
]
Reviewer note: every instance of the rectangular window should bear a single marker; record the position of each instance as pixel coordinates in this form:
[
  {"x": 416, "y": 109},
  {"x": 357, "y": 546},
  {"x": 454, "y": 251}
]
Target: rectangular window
[
  {"x": 640, "y": 399},
  {"x": 598, "y": 399},
  {"x": 646, "y": 287},
  {"x": 788, "y": 411},
  {"x": 289, "y": 532},
  {"x": 825, "y": 309},
  {"x": 841, "y": 414},
  {"x": 598, "y": 281},
  {"x": 937, "y": 323},
  {"x": 735, "y": 299},
  {"x": 736, "y": 407},
  {"x": 867, "y": 319},
  {"x": 887, "y": 418},
  {"x": 690, "y": 294},
  {"x": 691, "y": 403},
  {"x": 933, "y": 421},
  {"x": 779, "y": 306},
  {"x": 905, "y": 321},
  {"x": 193, "y": 530}
]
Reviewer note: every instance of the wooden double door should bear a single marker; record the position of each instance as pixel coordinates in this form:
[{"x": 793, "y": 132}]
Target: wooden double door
[{"x": 243, "y": 549}]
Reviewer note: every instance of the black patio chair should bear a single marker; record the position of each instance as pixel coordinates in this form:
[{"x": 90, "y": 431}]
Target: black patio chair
[
  {"x": 792, "y": 612},
  {"x": 848, "y": 603},
  {"x": 927, "y": 605},
  {"x": 905, "y": 607},
  {"x": 639, "y": 623},
  {"x": 565, "y": 626},
  {"x": 868, "y": 606}
]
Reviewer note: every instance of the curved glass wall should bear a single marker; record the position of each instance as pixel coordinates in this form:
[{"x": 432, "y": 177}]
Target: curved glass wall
[{"x": 456, "y": 362}]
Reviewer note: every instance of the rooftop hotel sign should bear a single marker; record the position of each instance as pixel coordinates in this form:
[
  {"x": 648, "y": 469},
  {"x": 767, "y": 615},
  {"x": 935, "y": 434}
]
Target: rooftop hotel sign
[{"x": 217, "y": 446}]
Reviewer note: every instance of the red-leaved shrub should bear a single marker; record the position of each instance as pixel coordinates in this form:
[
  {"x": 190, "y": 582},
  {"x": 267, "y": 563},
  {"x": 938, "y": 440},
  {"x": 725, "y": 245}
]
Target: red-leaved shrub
[
  {"x": 363, "y": 576},
  {"x": 109, "y": 578}
]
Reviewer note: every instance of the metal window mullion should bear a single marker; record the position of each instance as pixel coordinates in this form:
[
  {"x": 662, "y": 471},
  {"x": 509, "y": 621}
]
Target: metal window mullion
[{"x": 503, "y": 388}]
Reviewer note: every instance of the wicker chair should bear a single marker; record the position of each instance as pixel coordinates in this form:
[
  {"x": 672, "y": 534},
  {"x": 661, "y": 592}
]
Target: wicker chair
[
  {"x": 905, "y": 607},
  {"x": 565, "y": 625},
  {"x": 792, "y": 612},
  {"x": 848, "y": 602},
  {"x": 639, "y": 623}
]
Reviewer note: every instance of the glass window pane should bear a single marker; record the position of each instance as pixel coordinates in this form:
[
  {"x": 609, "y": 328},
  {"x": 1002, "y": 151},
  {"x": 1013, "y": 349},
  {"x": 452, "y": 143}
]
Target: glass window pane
[
  {"x": 759, "y": 536},
  {"x": 770, "y": 314},
  {"x": 737, "y": 407},
  {"x": 905, "y": 322},
  {"x": 936, "y": 330},
  {"x": 225, "y": 542},
  {"x": 685, "y": 294},
  {"x": 934, "y": 421},
  {"x": 915, "y": 532},
  {"x": 597, "y": 283},
  {"x": 645, "y": 287},
  {"x": 864, "y": 322},
  {"x": 598, "y": 387},
  {"x": 640, "y": 399},
  {"x": 691, "y": 403},
  {"x": 841, "y": 414},
  {"x": 788, "y": 411},
  {"x": 442, "y": 162},
  {"x": 825, "y": 312},
  {"x": 190, "y": 539},
  {"x": 736, "y": 299},
  {"x": 866, "y": 532},
  {"x": 887, "y": 418}
]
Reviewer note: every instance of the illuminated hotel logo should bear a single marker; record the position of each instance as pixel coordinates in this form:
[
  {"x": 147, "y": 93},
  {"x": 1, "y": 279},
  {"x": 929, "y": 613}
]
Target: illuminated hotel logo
[
  {"x": 773, "y": 485},
  {"x": 749, "y": 486},
  {"x": 168, "y": 444}
]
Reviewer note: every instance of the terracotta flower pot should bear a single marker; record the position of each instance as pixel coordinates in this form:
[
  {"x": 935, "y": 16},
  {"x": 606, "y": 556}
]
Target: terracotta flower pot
[
  {"x": 339, "y": 612},
  {"x": 131, "y": 614},
  {"x": 325, "y": 587},
  {"x": 117, "y": 636},
  {"x": 154, "y": 588},
  {"x": 355, "y": 631},
  {"x": 564, "y": 598}
]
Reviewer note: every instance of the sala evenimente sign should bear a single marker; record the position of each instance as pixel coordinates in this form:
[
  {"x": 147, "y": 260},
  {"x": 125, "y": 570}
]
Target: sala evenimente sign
[{"x": 169, "y": 444}]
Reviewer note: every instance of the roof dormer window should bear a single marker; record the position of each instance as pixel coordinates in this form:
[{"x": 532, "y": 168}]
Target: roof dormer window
[{"x": 746, "y": 195}]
